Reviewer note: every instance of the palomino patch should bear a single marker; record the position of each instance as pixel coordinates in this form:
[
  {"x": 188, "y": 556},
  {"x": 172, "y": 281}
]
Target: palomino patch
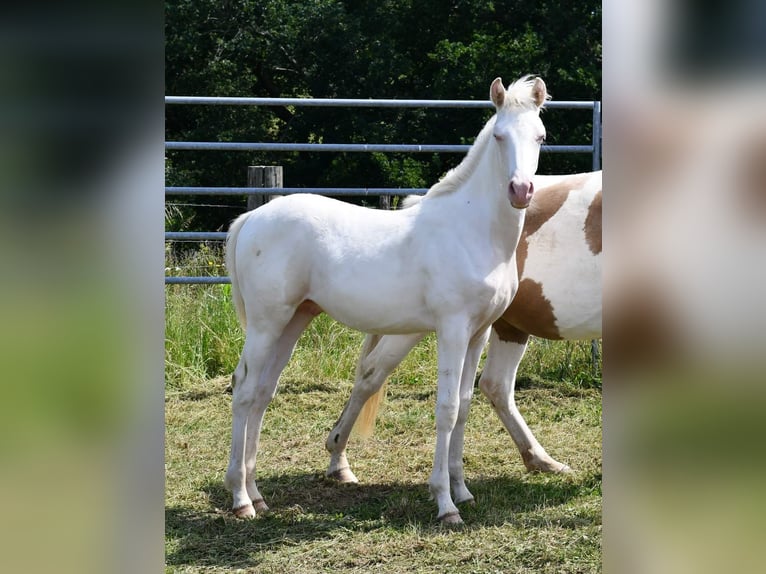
[
  {"x": 546, "y": 202},
  {"x": 508, "y": 333},
  {"x": 531, "y": 312},
  {"x": 592, "y": 225}
]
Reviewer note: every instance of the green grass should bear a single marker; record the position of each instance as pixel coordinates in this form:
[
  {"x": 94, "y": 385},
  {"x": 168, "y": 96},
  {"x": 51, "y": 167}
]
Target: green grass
[{"x": 522, "y": 522}]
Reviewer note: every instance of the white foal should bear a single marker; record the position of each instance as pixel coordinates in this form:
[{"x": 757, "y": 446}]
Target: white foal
[{"x": 453, "y": 254}]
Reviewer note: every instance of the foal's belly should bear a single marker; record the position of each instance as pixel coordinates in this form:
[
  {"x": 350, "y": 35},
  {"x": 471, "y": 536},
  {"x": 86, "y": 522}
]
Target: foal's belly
[
  {"x": 407, "y": 309},
  {"x": 386, "y": 319}
]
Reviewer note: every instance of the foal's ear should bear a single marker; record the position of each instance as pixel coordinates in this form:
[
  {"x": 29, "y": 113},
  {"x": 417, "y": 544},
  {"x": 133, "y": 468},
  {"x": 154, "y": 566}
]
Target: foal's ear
[
  {"x": 539, "y": 92},
  {"x": 497, "y": 93}
]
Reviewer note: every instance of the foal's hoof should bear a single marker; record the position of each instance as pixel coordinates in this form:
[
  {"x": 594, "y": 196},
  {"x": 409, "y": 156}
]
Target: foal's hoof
[
  {"x": 246, "y": 511},
  {"x": 250, "y": 510},
  {"x": 343, "y": 475},
  {"x": 552, "y": 467},
  {"x": 451, "y": 519}
]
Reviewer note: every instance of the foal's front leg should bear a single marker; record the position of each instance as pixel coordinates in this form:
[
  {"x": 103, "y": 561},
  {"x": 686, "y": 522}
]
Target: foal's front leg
[
  {"x": 457, "y": 478},
  {"x": 452, "y": 342}
]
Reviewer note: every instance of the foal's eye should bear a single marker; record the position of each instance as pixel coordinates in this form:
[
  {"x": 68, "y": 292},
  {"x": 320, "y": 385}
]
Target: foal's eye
[{"x": 498, "y": 137}]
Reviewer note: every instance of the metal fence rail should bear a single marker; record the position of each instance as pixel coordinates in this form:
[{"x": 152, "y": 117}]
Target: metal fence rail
[
  {"x": 594, "y": 148},
  {"x": 356, "y": 103},
  {"x": 402, "y": 148},
  {"x": 376, "y": 191}
]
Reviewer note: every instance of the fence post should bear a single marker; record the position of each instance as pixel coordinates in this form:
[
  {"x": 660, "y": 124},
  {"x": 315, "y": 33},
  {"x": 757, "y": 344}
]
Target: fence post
[
  {"x": 262, "y": 176},
  {"x": 384, "y": 202}
]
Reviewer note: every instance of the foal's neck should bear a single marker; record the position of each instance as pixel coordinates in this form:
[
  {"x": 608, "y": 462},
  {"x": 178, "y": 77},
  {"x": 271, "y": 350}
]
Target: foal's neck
[{"x": 487, "y": 190}]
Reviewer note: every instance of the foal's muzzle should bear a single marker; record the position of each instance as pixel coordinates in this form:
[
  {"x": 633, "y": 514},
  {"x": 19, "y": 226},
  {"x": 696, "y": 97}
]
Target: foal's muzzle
[{"x": 520, "y": 192}]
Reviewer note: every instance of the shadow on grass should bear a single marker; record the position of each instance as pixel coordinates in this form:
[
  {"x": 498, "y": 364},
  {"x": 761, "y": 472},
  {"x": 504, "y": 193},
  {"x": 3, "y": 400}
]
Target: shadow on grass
[
  {"x": 309, "y": 507},
  {"x": 197, "y": 395}
]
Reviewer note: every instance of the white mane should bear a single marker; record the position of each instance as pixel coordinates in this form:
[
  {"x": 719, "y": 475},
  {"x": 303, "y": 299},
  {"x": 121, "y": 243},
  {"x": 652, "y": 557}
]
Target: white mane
[{"x": 457, "y": 176}]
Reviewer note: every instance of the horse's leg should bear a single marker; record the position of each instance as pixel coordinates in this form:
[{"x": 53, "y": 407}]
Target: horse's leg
[
  {"x": 246, "y": 394},
  {"x": 269, "y": 380},
  {"x": 373, "y": 368},
  {"x": 457, "y": 479},
  {"x": 497, "y": 382},
  {"x": 452, "y": 342},
  {"x": 253, "y": 389}
]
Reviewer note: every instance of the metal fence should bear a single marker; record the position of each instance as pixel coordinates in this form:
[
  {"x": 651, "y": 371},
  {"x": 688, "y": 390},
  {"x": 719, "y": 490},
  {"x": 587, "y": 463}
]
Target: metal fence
[{"x": 593, "y": 148}]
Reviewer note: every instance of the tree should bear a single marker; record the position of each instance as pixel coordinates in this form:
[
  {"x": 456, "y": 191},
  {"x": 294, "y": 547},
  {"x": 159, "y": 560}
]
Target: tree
[{"x": 361, "y": 49}]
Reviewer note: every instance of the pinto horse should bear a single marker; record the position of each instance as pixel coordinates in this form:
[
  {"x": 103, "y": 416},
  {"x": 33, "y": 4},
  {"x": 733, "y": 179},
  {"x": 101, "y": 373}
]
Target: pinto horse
[
  {"x": 559, "y": 297},
  {"x": 453, "y": 254}
]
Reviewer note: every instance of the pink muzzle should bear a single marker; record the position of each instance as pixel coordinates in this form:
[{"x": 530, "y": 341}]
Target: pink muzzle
[{"x": 520, "y": 193}]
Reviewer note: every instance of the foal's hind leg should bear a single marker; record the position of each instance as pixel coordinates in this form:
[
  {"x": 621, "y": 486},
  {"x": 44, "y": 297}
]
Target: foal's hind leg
[
  {"x": 372, "y": 371},
  {"x": 267, "y": 349},
  {"x": 248, "y": 396},
  {"x": 270, "y": 378},
  {"x": 497, "y": 382}
]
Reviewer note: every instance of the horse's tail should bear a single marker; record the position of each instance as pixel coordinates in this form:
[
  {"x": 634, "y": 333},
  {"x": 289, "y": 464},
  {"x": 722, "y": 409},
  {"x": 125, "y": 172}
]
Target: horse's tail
[
  {"x": 365, "y": 423},
  {"x": 231, "y": 266}
]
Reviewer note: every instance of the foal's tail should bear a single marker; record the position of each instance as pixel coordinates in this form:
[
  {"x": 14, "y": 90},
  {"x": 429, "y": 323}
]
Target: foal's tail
[
  {"x": 365, "y": 423},
  {"x": 231, "y": 266}
]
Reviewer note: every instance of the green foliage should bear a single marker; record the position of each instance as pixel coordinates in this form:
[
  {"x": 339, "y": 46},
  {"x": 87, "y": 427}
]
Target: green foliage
[
  {"x": 364, "y": 49},
  {"x": 568, "y": 361},
  {"x": 203, "y": 338}
]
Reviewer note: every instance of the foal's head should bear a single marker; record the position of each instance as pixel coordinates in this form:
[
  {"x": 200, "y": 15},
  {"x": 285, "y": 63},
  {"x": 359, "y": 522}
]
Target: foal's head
[{"x": 518, "y": 133}]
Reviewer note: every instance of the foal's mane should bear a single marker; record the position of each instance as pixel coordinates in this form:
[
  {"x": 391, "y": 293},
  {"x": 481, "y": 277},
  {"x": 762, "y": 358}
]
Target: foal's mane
[
  {"x": 457, "y": 176},
  {"x": 518, "y": 95}
]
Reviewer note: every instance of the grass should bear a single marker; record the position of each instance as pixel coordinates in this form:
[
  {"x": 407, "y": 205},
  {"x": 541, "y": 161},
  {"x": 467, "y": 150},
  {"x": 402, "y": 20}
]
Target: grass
[{"x": 522, "y": 522}]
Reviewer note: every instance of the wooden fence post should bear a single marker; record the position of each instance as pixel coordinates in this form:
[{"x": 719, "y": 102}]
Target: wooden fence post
[{"x": 262, "y": 176}]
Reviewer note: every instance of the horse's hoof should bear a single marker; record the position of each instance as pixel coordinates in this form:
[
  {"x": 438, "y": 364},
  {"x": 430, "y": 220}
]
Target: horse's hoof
[
  {"x": 343, "y": 475},
  {"x": 260, "y": 505},
  {"x": 451, "y": 519},
  {"x": 246, "y": 511},
  {"x": 552, "y": 467}
]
